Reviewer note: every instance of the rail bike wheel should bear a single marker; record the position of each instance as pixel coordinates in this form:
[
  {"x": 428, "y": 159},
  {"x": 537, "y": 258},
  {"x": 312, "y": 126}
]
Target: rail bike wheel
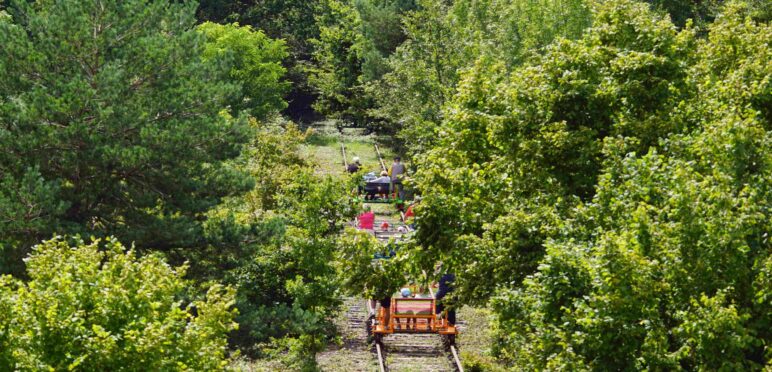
[
  {"x": 369, "y": 323},
  {"x": 448, "y": 341}
]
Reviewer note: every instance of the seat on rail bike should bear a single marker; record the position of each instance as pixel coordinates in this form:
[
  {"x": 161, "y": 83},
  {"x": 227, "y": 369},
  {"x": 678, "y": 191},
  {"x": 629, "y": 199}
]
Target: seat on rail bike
[
  {"x": 412, "y": 315},
  {"x": 377, "y": 190}
]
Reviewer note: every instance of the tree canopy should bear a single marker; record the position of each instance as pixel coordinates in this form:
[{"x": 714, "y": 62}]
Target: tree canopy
[
  {"x": 256, "y": 66},
  {"x": 111, "y": 122},
  {"x": 597, "y": 174},
  {"x": 610, "y": 197}
]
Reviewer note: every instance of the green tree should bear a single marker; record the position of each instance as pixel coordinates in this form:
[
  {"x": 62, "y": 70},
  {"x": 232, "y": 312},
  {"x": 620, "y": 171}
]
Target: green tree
[
  {"x": 293, "y": 21},
  {"x": 666, "y": 267},
  {"x": 355, "y": 39},
  {"x": 256, "y": 66},
  {"x": 112, "y": 107},
  {"x": 363, "y": 277},
  {"x": 336, "y": 69},
  {"x": 29, "y": 208},
  {"x": 382, "y": 32},
  {"x": 700, "y": 11},
  {"x": 89, "y": 307},
  {"x": 277, "y": 245},
  {"x": 516, "y": 151},
  {"x": 446, "y": 38},
  {"x": 289, "y": 20}
]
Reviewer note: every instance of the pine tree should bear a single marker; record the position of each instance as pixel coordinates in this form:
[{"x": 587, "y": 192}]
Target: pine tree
[{"x": 113, "y": 120}]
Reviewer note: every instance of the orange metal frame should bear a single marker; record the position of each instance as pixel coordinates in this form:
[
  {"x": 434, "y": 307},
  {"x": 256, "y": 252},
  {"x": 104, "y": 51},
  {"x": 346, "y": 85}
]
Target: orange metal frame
[{"x": 430, "y": 325}]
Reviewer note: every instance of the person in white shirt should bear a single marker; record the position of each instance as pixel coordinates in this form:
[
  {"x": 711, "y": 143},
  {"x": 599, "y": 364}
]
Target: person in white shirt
[{"x": 384, "y": 178}]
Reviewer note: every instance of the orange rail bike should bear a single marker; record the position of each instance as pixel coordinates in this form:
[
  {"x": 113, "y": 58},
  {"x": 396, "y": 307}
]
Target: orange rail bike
[{"x": 413, "y": 315}]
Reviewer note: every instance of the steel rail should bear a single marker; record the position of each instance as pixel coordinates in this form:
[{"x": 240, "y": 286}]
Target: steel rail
[
  {"x": 343, "y": 150},
  {"x": 456, "y": 359},
  {"x": 380, "y": 158},
  {"x": 381, "y": 360}
]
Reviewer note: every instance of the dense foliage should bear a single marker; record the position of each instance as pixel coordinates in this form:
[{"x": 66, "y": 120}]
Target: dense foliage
[
  {"x": 256, "y": 66},
  {"x": 350, "y": 54},
  {"x": 290, "y": 20},
  {"x": 446, "y": 38},
  {"x": 122, "y": 118},
  {"x": 610, "y": 197},
  {"x": 277, "y": 245},
  {"x": 672, "y": 253},
  {"x": 90, "y": 307},
  {"x": 293, "y": 21},
  {"x": 598, "y": 173},
  {"x": 362, "y": 275},
  {"x": 111, "y": 125}
]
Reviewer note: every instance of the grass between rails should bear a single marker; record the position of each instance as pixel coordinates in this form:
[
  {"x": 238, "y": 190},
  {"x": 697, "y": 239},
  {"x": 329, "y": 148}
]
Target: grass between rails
[{"x": 323, "y": 148}]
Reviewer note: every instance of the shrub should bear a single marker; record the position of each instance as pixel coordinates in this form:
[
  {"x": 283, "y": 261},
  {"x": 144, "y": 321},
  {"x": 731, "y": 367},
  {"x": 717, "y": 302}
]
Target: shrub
[{"x": 98, "y": 307}]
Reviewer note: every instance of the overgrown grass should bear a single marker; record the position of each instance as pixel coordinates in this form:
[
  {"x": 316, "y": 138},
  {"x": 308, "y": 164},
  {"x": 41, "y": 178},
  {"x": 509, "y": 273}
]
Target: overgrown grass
[
  {"x": 324, "y": 148},
  {"x": 475, "y": 341},
  {"x": 259, "y": 365}
]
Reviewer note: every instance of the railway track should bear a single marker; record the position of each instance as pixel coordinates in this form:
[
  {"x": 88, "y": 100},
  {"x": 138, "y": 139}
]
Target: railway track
[
  {"x": 416, "y": 352},
  {"x": 399, "y": 352},
  {"x": 406, "y": 352},
  {"x": 353, "y": 354}
]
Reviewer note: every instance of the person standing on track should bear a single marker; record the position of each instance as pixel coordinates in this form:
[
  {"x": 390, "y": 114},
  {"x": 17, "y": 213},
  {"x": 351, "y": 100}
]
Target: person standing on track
[
  {"x": 396, "y": 172},
  {"x": 445, "y": 287}
]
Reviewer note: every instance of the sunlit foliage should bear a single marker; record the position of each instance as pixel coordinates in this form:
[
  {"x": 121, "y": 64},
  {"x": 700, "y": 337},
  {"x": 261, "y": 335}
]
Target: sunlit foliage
[{"x": 92, "y": 306}]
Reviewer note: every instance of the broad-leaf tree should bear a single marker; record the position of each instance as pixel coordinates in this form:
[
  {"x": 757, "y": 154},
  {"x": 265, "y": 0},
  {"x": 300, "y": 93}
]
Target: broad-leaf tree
[
  {"x": 610, "y": 198},
  {"x": 256, "y": 66},
  {"x": 97, "y": 306}
]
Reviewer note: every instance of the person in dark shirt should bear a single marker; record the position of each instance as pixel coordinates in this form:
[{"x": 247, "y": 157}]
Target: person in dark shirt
[
  {"x": 354, "y": 166},
  {"x": 445, "y": 287}
]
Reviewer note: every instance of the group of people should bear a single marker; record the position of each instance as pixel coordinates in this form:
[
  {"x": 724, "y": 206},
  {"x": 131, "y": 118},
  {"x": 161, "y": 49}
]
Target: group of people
[
  {"x": 393, "y": 176},
  {"x": 366, "y": 220}
]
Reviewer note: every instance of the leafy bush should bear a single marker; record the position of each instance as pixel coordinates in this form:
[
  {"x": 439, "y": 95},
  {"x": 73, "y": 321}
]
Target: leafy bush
[
  {"x": 666, "y": 267},
  {"x": 361, "y": 276},
  {"x": 97, "y": 306},
  {"x": 610, "y": 197},
  {"x": 355, "y": 39},
  {"x": 446, "y": 38},
  {"x": 29, "y": 207},
  {"x": 276, "y": 244},
  {"x": 256, "y": 67},
  {"x": 516, "y": 151}
]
